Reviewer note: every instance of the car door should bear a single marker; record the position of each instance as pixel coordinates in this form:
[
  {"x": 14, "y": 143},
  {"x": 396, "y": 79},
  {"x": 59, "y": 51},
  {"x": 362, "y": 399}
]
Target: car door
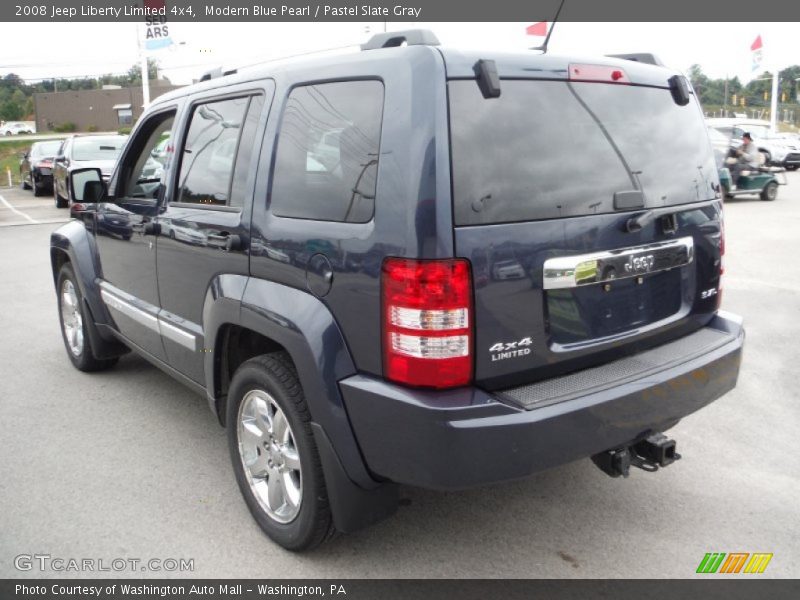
[
  {"x": 61, "y": 169},
  {"x": 204, "y": 225},
  {"x": 126, "y": 229}
]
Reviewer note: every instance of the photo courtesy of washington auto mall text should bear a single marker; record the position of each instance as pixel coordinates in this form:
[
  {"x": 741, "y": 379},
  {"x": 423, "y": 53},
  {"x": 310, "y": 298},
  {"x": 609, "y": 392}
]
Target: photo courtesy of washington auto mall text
[{"x": 399, "y": 299}]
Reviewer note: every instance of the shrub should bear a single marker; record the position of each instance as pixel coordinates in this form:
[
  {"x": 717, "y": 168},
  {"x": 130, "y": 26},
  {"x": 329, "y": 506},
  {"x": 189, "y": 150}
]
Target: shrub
[
  {"x": 124, "y": 130},
  {"x": 92, "y": 128},
  {"x": 67, "y": 127}
]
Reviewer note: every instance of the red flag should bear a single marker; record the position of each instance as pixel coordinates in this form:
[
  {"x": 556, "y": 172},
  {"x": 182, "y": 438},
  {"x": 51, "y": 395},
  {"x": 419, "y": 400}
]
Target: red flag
[
  {"x": 539, "y": 28},
  {"x": 756, "y": 45}
]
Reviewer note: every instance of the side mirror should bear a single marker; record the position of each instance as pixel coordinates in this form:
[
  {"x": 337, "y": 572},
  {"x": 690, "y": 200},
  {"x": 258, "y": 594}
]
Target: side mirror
[{"x": 87, "y": 186}]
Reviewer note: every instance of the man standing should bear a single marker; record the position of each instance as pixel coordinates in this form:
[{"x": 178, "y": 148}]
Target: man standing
[{"x": 748, "y": 158}]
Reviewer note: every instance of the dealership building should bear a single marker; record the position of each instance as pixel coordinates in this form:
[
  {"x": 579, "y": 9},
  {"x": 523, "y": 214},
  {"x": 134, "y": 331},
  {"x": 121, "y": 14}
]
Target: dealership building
[{"x": 106, "y": 109}]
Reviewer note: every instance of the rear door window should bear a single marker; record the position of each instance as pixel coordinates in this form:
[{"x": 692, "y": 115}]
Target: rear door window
[{"x": 326, "y": 164}]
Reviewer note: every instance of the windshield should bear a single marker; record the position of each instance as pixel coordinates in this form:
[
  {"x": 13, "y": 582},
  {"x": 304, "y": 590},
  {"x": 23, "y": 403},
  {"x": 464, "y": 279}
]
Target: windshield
[
  {"x": 551, "y": 149},
  {"x": 45, "y": 149},
  {"x": 757, "y": 131},
  {"x": 98, "y": 148}
]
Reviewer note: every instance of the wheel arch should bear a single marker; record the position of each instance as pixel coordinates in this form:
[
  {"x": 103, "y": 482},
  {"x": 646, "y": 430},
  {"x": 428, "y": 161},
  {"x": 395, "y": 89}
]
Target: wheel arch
[{"x": 244, "y": 317}]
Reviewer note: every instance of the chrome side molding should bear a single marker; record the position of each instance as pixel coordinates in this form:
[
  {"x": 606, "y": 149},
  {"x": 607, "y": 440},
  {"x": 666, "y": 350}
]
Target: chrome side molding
[
  {"x": 566, "y": 272},
  {"x": 114, "y": 300}
]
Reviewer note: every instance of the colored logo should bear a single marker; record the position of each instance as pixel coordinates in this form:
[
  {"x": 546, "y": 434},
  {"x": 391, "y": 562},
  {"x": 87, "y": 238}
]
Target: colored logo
[{"x": 734, "y": 562}]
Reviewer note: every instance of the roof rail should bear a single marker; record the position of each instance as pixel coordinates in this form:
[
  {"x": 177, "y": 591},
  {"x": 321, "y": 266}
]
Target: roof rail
[
  {"x": 212, "y": 74},
  {"x": 642, "y": 57},
  {"x": 411, "y": 37},
  {"x": 218, "y": 72}
]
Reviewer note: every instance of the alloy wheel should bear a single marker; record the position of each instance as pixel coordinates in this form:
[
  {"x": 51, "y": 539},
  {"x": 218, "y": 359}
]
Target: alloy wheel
[
  {"x": 269, "y": 456},
  {"x": 71, "y": 318}
]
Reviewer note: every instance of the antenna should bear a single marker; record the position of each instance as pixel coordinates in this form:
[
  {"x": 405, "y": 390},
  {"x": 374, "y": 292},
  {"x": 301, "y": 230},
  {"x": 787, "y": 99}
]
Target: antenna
[{"x": 543, "y": 47}]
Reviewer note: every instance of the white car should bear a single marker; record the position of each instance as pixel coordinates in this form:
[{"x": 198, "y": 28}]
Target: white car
[
  {"x": 16, "y": 128},
  {"x": 508, "y": 269},
  {"x": 777, "y": 150}
]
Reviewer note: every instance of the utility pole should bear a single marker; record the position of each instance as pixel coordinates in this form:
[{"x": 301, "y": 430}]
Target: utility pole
[
  {"x": 145, "y": 74},
  {"x": 773, "y": 105},
  {"x": 725, "y": 103}
]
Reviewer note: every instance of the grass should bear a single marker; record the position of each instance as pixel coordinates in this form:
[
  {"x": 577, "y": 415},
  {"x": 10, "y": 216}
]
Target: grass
[{"x": 9, "y": 159}]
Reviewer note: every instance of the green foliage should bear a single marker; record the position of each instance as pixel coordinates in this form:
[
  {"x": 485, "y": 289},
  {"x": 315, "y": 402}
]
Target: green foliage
[
  {"x": 757, "y": 92},
  {"x": 124, "y": 130},
  {"x": 10, "y": 111},
  {"x": 67, "y": 127},
  {"x": 92, "y": 128}
]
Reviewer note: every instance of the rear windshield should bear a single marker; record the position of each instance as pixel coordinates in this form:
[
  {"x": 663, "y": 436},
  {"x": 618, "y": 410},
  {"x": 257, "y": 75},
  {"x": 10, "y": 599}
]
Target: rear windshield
[
  {"x": 98, "y": 148},
  {"x": 45, "y": 148},
  {"x": 551, "y": 149}
]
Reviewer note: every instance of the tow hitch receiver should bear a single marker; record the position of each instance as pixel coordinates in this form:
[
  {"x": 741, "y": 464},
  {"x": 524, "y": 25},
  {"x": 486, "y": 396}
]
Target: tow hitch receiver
[{"x": 653, "y": 452}]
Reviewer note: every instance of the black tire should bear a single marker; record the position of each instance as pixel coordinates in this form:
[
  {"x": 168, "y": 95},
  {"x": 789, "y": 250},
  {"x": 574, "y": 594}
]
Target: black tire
[
  {"x": 60, "y": 202},
  {"x": 791, "y": 167},
  {"x": 83, "y": 360},
  {"x": 26, "y": 182},
  {"x": 276, "y": 375},
  {"x": 770, "y": 192},
  {"x": 38, "y": 190}
]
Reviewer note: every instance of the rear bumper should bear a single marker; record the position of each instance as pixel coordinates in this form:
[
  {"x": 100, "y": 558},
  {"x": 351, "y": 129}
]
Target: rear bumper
[{"x": 468, "y": 437}]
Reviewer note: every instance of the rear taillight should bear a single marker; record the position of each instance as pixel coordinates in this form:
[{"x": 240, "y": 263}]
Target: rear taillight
[{"x": 427, "y": 322}]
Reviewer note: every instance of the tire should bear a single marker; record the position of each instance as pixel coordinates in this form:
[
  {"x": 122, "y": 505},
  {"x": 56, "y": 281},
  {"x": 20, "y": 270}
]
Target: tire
[
  {"x": 791, "y": 167},
  {"x": 770, "y": 192},
  {"x": 26, "y": 183},
  {"x": 298, "y": 515},
  {"x": 38, "y": 190},
  {"x": 74, "y": 324}
]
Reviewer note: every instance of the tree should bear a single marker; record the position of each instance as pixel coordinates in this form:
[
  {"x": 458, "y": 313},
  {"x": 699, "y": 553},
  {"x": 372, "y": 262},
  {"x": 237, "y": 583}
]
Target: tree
[
  {"x": 10, "y": 111},
  {"x": 134, "y": 76}
]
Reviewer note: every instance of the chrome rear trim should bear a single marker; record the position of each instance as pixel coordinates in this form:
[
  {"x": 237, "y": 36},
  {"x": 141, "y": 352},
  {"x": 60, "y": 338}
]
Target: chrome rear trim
[{"x": 588, "y": 269}]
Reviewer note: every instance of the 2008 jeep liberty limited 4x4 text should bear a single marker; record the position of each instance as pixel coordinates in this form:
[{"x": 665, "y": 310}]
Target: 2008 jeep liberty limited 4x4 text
[{"x": 412, "y": 265}]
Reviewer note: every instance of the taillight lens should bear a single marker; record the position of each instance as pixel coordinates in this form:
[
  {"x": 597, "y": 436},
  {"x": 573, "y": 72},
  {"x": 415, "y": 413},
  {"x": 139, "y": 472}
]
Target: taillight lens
[
  {"x": 597, "y": 73},
  {"x": 427, "y": 322}
]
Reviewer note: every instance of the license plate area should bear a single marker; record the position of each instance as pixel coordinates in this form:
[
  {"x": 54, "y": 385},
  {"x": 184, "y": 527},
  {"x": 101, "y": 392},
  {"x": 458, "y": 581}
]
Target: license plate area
[{"x": 585, "y": 313}]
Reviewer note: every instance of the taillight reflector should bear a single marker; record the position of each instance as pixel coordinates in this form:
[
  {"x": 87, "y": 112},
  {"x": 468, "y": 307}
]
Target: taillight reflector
[{"x": 427, "y": 322}]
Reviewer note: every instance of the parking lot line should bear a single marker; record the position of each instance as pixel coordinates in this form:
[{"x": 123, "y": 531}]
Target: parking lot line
[{"x": 15, "y": 211}]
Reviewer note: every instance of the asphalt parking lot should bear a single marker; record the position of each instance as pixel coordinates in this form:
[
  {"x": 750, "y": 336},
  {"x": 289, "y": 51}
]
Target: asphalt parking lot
[{"x": 130, "y": 464}]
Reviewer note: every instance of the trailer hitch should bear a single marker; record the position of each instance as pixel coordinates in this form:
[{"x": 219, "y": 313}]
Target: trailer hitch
[{"x": 657, "y": 450}]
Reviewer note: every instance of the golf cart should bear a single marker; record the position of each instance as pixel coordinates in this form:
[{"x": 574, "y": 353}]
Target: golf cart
[{"x": 762, "y": 181}]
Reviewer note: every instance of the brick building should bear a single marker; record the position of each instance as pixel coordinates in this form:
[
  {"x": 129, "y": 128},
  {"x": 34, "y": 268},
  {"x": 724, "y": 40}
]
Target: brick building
[{"x": 104, "y": 109}]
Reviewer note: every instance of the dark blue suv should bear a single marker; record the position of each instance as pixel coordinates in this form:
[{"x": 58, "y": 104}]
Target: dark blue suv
[{"x": 411, "y": 265}]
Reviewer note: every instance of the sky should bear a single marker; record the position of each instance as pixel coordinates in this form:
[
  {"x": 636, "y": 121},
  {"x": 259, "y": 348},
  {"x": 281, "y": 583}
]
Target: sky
[{"x": 41, "y": 50}]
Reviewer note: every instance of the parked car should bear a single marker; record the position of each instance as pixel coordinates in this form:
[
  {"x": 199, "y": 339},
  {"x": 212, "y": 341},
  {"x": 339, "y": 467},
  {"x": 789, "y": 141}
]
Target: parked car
[
  {"x": 376, "y": 361},
  {"x": 80, "y": 152},
  {"x": 777, "y": 150},
  {"x": 721, "y": 145},
  {"x": 36, "y": 167},
  {"x": 17, "y": 128}
]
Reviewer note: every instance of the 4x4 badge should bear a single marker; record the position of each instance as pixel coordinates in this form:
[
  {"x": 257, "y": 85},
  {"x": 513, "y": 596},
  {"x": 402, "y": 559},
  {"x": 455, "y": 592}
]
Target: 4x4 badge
[{"x": 504, "y": 350}]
